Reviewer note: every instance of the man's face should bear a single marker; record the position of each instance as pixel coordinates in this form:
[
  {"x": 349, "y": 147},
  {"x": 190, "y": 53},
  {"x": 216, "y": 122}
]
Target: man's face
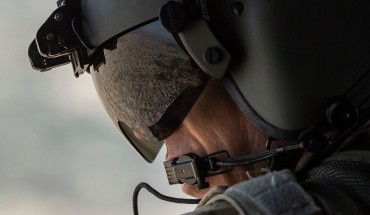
[{"x": 215, "y": 123}]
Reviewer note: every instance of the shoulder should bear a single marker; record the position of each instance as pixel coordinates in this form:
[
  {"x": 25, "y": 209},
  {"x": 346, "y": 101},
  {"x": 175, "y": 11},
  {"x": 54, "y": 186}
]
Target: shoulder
[
  {"x": 341, "y": 183},
  {"x": 274, "y": 193},
  {"x": 215, "y": 208}
]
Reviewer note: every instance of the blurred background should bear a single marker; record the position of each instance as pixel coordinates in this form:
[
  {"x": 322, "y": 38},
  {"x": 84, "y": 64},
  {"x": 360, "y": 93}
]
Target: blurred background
[{"x": 59, "y": 152}]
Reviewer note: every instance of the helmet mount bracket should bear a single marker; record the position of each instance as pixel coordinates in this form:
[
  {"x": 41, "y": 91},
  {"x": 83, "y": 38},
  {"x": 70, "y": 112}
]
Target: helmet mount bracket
[
  {"x": 59, "y": 41},
  {"x": 209, "y": 54},
  {"x": 189, "y": 20}
]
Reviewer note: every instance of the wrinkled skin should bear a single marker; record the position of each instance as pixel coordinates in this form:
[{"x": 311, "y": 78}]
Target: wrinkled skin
[{"x": 215, "y": 123}]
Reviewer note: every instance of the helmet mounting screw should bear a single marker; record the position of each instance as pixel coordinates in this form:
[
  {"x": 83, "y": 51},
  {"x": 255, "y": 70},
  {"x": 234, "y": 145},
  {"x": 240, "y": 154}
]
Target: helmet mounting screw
[
  {"x": 44, "y": 62},
  {"x": 213, "y": 55},
  {"x": 341, "y": 114},
  {"x": 50, "y": 36},
  {"x": 58, "y": 17},
  {"x": 237, "y": 8}
]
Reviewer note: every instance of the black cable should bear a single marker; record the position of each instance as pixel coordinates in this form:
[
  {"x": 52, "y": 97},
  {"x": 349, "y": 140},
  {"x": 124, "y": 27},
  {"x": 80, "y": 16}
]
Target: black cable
[
  {"x": 243, "y": 162},
  {"x": 257, "y": 157},
  {"x": 158, "y": 195}
]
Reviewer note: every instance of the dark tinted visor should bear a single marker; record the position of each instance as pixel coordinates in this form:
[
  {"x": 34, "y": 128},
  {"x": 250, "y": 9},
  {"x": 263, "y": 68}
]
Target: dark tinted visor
[{"x": 148, "y": 85}]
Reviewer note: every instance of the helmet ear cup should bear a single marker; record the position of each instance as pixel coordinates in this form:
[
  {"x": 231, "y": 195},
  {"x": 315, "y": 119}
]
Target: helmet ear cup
[{"x": 341, "y": 114}]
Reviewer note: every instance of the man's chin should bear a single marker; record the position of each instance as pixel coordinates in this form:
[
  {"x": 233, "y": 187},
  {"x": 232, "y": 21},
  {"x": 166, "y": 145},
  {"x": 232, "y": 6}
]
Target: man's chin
[{"x": 191, "y": 190}]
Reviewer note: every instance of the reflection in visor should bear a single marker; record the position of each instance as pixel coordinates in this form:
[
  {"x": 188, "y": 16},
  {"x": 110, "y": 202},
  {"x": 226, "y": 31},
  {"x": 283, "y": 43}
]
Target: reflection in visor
[
  {"x": 147, "y": 86},
  {"x": 146, "y": 148}
]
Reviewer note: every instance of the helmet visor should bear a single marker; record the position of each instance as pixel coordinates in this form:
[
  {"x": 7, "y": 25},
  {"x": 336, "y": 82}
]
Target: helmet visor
[{"x": 148, "y": 85}]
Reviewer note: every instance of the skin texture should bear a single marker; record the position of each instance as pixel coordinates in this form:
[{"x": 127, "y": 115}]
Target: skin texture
[{"x": 215, "y": 123}]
